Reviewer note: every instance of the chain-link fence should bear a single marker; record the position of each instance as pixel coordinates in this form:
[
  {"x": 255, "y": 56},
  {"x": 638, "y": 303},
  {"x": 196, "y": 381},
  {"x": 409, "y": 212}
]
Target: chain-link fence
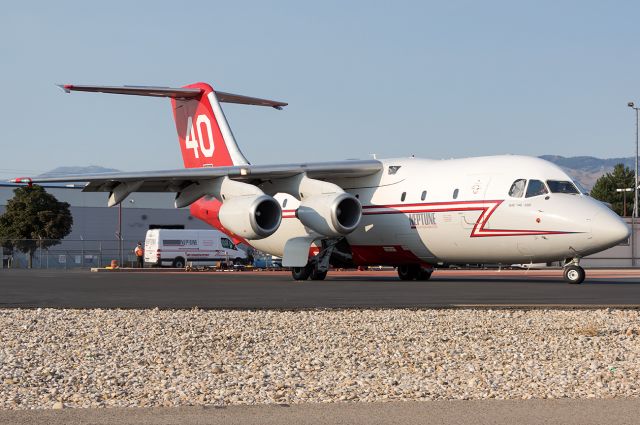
[{"x": 68, "y": 254}]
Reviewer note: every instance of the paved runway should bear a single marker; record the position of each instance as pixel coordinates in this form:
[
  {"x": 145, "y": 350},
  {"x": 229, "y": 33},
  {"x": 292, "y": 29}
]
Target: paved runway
[{"x": 276, "y": 290}]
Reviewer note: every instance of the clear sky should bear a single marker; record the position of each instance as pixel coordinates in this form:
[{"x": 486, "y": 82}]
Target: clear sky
[{"x": 435, "y": 79}]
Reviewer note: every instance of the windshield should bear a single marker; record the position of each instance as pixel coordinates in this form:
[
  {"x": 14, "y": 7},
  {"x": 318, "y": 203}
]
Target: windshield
[
  {"x": 226, "y": 243},
  {"x": 517, "y": 188},
  {"x": 558, "y": 186},
  {"x": 535, "y": 188},
  {"x": 581, "y": 188}
]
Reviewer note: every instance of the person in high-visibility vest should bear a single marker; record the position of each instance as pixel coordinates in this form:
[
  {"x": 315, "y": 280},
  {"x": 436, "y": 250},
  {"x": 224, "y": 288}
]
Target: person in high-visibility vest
[{"x": 139, "y": 251}]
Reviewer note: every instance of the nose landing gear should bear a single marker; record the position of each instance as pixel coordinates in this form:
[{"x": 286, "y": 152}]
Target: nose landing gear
[{"x": 573, "y": 273}]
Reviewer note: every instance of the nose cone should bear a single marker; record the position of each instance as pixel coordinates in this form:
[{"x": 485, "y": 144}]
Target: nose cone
[{"x": 608, "y": 229}]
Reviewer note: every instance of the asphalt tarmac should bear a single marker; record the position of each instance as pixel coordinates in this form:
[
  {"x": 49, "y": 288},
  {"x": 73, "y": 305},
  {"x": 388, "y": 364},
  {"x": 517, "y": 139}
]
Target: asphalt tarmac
[{"x": 276, "y": 290}]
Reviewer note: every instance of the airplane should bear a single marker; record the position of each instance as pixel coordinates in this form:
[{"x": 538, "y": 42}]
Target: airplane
[{"x": 410, "y": 213}]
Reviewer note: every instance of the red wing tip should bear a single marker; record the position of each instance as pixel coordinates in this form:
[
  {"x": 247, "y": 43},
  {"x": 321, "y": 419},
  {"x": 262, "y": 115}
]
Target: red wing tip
[{"x": 66, "y": 87}]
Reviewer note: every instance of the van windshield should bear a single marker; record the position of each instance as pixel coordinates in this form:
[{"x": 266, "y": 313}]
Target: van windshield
[
  {"x": 560, "y": 186},
  {"x": 226, "y": 243}
]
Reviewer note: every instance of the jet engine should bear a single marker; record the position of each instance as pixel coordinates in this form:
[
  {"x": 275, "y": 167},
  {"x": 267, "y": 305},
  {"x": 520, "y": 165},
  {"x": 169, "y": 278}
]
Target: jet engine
[
  {"x": 331, "y": 214},
  {"x": 251, "y": 217}
]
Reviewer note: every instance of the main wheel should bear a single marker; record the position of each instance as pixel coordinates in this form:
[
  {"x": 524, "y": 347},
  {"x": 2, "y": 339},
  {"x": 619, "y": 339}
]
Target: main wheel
[
  {"x": 424, "y": 274},
  {"x": 301, "y": 273},
  {"x": 318, "y": 275},
  {"x": 574, "y": 274},
  {"x": 409, "y": 272}
]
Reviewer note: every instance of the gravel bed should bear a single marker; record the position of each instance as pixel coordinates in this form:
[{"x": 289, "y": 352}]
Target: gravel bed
[{"x": 102, "y": 358}]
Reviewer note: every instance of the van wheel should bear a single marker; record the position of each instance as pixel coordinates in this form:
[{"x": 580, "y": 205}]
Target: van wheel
[
  {"x": 178, "y": 263},
  {"x": 239, "y": 261}
]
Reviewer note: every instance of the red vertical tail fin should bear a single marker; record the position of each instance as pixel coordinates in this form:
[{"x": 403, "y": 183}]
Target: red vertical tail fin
[{"x": 203, "y": 131}]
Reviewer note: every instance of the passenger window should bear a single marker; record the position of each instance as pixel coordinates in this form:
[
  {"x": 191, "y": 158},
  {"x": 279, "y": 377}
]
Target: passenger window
[
  {"x": 557, "y": 186},
  {"x": 284, "y": 203},
  {"x": 536, "y": 188},
  {"x": 517, "y": 188},
  {"x": 424, "y": 195},
  {"x": 403, "y": 196},
  {"x": 455, "y": 194},
  {"x": 226, "y": 243}
]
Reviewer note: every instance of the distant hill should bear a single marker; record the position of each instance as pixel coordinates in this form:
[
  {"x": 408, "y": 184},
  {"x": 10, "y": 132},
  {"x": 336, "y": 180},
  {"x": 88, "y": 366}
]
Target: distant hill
[
  {"x": 587, "y": 169},
  {"x": 91, "y": 169}
]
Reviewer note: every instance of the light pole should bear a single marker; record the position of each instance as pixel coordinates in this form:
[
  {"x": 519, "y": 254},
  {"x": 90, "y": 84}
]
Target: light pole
[
  {"x": 635, "y": 195},
  {"x": 634, "y": 215},
  {"x": 624, "y": 199}
]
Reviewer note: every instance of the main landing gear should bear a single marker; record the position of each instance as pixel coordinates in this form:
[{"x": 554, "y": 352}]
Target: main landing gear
[
  {"x": 573, "y": 273},
  {"x": 310, "y": 271},
  {"x": 301, "y": 273},
  {"x": 318, "y": 266},
  {"x": 414, "y": 272}
]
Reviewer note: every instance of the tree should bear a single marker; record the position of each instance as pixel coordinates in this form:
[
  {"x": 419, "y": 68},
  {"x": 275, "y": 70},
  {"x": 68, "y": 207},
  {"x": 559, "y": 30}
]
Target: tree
[
  {"x": 605, "y": 188},
  {"x": 34, "y": 219}
]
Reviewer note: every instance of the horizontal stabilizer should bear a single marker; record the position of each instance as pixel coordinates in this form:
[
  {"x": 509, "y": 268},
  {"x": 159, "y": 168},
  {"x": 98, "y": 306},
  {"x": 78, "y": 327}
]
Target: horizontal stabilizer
[{"x": 175, "y": 93}]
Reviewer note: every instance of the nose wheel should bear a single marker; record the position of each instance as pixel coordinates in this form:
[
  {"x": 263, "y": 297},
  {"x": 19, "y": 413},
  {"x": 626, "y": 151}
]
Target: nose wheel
[{"x": 574, "y": 274}]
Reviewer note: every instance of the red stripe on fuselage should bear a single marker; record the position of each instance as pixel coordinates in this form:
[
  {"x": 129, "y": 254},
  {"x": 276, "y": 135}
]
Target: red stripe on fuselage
[
  {"x": 486, "y": 210},
  {"x": 431, "y": 203}
]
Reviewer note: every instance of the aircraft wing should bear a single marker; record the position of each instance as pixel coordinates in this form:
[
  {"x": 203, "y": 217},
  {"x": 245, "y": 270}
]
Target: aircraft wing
[{"x": 176, "y": 180}]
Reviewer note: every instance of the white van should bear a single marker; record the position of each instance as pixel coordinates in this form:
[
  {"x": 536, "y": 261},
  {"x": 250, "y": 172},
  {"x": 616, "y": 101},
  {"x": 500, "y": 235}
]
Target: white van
[{"x": 175, "y": 248}]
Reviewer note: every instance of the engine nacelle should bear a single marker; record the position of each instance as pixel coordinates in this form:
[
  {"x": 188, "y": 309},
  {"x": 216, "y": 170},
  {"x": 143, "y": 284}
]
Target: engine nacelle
[
  {"x": 331, "y": 214},
  {"x": 251, "y": 217}
]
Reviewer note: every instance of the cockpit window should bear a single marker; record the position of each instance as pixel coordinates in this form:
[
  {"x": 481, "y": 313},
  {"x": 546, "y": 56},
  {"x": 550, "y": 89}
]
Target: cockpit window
[
  {"x": 581, "y": 188},
  {"x": 559, "y": 186},
  {"x": 517, "y": 188},
  {"x": 536, "y": 188}
]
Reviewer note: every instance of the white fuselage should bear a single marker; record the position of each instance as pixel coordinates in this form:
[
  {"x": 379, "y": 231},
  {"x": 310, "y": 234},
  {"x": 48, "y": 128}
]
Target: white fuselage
[{"x": 460, "y": 211}]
